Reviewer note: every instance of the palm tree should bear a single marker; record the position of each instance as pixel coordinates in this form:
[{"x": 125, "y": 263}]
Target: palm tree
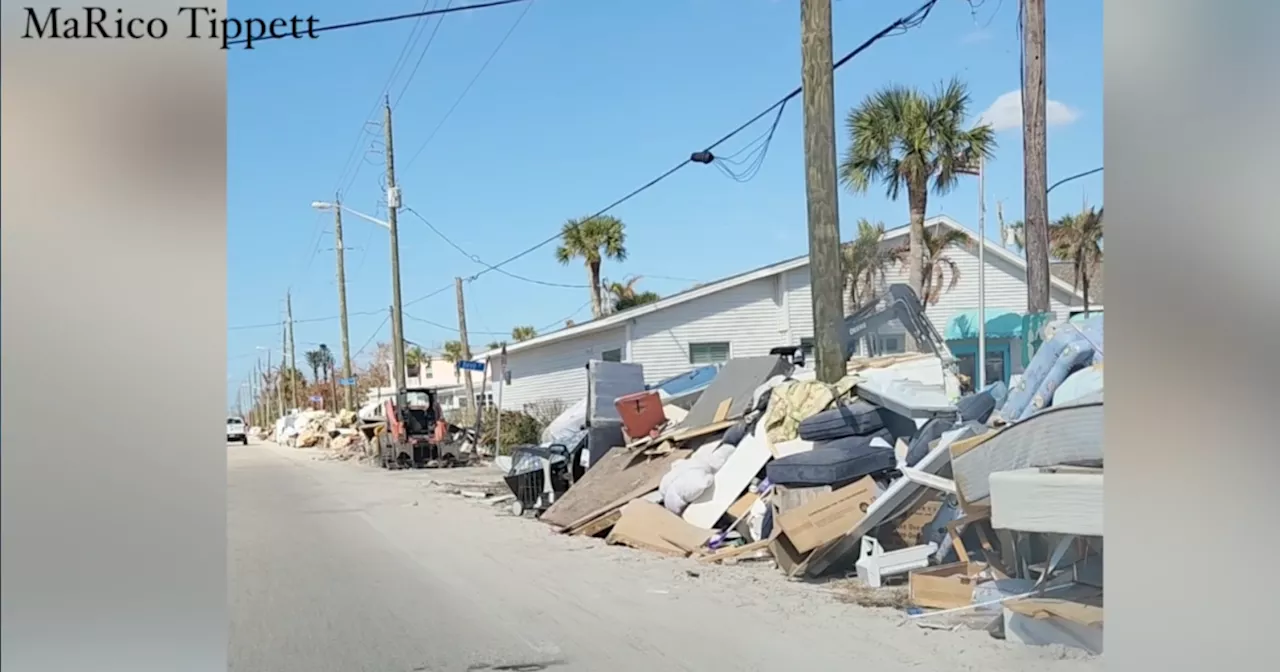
[
  {"x": 495, "y": 345},
  {"x": 593, "y": 239},
  {"x": 453, "y": 355},
  {"x": 1078, "y": 239},
  {"x": 520, "y": 334},
  {"x": 314, "y": 359},
  {"x": 415, "y": 358},
  {"x": 625, "y": 295},
  {"x": 326, "y": 361},
  {"x": 938, "y": 267},
  {"x": 904, "y": 139},
  {"x": 866, "y": 260}
]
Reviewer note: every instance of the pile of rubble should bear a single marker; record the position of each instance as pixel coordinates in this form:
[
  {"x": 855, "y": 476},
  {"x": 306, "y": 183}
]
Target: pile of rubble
[
  {"x": 335, "y": 433},
  {"x": 985, "y": 504}
]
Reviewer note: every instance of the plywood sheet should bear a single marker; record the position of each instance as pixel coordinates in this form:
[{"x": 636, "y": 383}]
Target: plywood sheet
[
  {"x": 622, "y": 475},
  {"x": 752, "y": 453}
]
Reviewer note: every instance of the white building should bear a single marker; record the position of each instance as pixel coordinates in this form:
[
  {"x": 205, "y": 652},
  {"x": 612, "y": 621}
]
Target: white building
[{"x": 751, "y": 313}]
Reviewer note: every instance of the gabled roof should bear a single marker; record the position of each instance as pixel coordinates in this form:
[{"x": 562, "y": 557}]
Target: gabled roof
[{"x": 620, "y": 318}]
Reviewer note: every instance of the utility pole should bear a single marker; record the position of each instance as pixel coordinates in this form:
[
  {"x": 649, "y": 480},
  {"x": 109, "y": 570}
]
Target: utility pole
[
  {"x": 293, "y": 353},
  {"x": 261, "y": 400},
  {"x": 393, "y": 206},
  {"x": 820, "y": 187},
  {"x": 1034, "y": 146},
  {"x": 342, "y": 304},
  {"x": 253, "y": 397},
  {"x": 466, "y": 348},
  {"x": 279, "y": 384}
]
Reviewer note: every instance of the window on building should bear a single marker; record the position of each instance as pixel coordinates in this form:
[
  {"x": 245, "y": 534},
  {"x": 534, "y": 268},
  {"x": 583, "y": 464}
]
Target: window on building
[
  {"x": 614, "y": 355},
  {"x": 708, "y": 353},
  {"x": 806, "y": 346},
  {"x": 891, "y": 344},
  {"x": 995, "y": 367}
]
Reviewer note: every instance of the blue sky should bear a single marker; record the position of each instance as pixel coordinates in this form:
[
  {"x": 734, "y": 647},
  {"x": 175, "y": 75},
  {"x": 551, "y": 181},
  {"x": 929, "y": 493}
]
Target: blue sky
[{"x": 587, "y": 100}]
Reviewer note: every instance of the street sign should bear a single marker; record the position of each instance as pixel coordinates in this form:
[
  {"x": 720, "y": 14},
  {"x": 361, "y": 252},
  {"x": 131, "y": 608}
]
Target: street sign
[
  {"x": 467, "y": 365},
  {"x": 346, "y": 382},
  {"x": 317, "y": 399}
]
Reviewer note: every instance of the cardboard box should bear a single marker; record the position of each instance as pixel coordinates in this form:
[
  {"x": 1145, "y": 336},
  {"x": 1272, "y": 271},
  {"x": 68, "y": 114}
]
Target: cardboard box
[
  {"x": 828, "y": 516},
  {"x": 910, "y": 529},
  {"x": 945, "y": 586}
]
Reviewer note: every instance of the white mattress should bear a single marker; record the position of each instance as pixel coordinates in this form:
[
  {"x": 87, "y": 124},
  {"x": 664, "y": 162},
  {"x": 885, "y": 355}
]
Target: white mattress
[
  {"x": 1056, "y": 435},
  {"x": 1029, "y": 500}
]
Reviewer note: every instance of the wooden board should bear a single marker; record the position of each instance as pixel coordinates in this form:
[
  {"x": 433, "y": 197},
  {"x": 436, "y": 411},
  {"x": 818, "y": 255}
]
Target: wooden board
[
  {"x": 624, "y": 474},
  {"x": 750, "y": 456}
]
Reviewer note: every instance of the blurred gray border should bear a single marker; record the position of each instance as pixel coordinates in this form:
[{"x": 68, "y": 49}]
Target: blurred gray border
[
  {"x": 114, "y": 349},
  {"x": 1191, "y": 100}
]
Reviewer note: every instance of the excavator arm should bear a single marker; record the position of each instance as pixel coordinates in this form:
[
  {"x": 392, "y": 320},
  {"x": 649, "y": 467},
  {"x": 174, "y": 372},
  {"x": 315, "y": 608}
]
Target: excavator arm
[{"x": 899, "y": 302}]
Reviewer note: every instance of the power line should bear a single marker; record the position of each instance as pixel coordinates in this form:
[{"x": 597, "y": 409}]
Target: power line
[
  {"x": 467, "y": 89},
  {"x": 901, "y": 25},
  {"x": 476, "y": 259},
  {"x": 310, "y": 320},
  {"x": 453, "y": 329},
  {"x": 560, "y": 322},
  {"x": 388, "y": 19},
  {"x": 413, "y": 73},
  {"x": 372, "y": 336}
]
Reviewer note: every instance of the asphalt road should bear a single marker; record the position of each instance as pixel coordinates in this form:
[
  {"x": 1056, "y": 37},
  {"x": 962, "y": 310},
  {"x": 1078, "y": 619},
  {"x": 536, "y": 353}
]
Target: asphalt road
[{"x": 338, "y": 567}]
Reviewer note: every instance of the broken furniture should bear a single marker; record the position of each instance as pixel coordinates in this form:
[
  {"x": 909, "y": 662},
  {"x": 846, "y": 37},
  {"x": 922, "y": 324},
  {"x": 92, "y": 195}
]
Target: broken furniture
[
  {"x": 1058, "y": 434},
  {"x": 606, "y": 381},
  {"x": 875, "y": 563},
  {"x": 1049, "y": 500},
  {"x": 736, "y": 382},
  {"x": 539, "y": 475}
]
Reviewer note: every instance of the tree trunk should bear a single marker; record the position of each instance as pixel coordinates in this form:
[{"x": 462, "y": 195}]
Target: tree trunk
[
  {"x": 1082, "y": 274},
  {"x": 593, "y": 275},
  {"x": 918, "y": 201}
]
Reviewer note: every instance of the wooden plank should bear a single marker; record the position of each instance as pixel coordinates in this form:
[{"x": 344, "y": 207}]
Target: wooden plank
[
  {"x": 722, "y": 411},
  {"x": 599, "y": 524},
  {"x": 736, "y": 551},
  {"x": 752, "y": 453},
  {"x": 624, "y": 474}
]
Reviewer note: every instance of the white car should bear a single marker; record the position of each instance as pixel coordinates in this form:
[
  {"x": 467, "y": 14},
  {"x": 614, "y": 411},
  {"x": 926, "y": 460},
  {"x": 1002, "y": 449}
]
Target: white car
[{"x": 237, "y": 432}]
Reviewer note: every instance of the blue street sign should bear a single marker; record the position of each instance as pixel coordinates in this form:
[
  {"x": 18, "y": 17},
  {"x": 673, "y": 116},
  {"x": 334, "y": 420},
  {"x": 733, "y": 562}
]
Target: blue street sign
[
  {"x": 317, "y": 399},
  {"x": 346, "y": 382},
  {"x": 466, "y": 365}
]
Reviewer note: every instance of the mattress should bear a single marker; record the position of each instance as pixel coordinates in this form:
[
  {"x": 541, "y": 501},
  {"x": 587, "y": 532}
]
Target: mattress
[
  {"x": 1057, "y": 435},
  {"x": 1035, "y": 500}
]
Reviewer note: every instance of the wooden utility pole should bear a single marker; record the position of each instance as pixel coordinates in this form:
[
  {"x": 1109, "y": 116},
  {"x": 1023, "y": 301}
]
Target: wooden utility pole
[
  {"x": 393, "y": 206},
  {"x": 279, "y": 381},
  {"x": 254, "y": 408},
  {"x": 342, "y": 305},
  {"x": 293, "y": 353},
  {"x": 825, "y": 277},
  {"x": 1034, "y": 146},
  {"x": 466, "y": 348}
]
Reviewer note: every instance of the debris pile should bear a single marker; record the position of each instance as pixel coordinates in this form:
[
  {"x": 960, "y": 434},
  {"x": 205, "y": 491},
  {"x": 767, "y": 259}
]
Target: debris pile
[
  {"x": 321, "y": 429},
  {"x": 986, "y": 505}
]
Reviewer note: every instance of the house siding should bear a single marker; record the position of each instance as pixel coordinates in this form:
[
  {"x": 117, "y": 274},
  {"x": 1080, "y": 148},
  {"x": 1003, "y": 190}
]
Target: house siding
[
  {"x": 556, "y": 370},
  {"x": 747, "y": 316},
  {"x": 1006, "y": 287},
  {"x": 753, "y": 317}
]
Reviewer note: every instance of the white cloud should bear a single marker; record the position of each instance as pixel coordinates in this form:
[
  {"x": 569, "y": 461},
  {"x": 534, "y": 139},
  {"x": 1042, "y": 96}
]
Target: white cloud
[{"x": 1006, "y": 112}]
